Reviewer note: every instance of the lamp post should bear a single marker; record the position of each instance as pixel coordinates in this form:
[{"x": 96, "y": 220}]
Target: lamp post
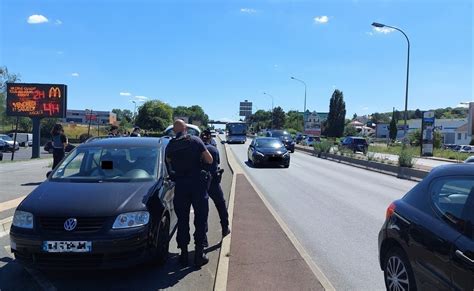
[
  {"x": 304, "y": 110},
  {"x": 134, "y": 111},
  {"x": 265, "y": 93},
  {"x": 380, "y": 25}
]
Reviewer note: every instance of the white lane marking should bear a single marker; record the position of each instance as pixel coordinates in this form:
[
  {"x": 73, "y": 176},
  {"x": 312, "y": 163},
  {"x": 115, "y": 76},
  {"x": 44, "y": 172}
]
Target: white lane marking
[
  {"x": 8, "y": 250},
  {"x": 5, "y": 226},
  {"x": 11, "y": 203},
  {"x": 317, "y": 271}
]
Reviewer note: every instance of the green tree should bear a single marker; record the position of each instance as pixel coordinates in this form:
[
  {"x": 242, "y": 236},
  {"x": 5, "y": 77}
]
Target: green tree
[
  {"x": 350, "y": 131},
  {"x": 124, "y": 115},
  {"x": 196, "y": 113},
  {"x": 154, "y": 115},
  {"x": 354, "y": 116},
  {"x": 337, "y": 115},
  {"x": 261, "y": 119},
  {"x": 278, "y": 118},
  {"x": 46, "y": 126},
  {"x": 294, "y": 120},
  {"x": 393, "y": 130},
  {"x": 6, "y": 77}
]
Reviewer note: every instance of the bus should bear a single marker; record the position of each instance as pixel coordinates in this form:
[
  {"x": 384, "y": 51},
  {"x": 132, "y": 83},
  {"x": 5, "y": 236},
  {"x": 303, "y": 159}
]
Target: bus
[{"x": 236, "y": 132}]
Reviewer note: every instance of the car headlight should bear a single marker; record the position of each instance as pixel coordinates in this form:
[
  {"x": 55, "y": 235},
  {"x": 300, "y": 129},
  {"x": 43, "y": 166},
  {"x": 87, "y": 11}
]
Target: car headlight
[
  {"x": 23, "y": 219},
  {"x": 286, "y": 154},
  {"x": 131, "y": 219},
  {"x": 259, "y": 153}
]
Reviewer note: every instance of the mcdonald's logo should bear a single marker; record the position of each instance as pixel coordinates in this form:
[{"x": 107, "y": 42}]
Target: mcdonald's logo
[{"x": 54, "y": 92}]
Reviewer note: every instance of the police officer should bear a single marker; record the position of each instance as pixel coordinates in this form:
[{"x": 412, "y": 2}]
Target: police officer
[
  {"x": 185, "y": 155},
  {"x": 215, "y": 190}
]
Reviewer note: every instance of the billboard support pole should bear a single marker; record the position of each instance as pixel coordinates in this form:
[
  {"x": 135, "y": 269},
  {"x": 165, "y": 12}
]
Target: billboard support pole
[
  {"x": 35, "y": 153},
  {"x": 14, "y": 139}
]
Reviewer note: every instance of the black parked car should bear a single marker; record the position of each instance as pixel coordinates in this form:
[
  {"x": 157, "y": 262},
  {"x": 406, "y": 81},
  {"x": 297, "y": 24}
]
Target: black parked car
[
  {"x": 268, "y": 150},
  {"x": 355, "y": 144},
  {"x": 427, "y": 240},
  {"x": 285, "y": 137},
  {"x": 108, "y": 204}
]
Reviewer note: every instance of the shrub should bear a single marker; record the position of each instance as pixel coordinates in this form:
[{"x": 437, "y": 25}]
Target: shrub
[
  {"x": 405, "y": 159},
  {"x": 323, "y": 147}
]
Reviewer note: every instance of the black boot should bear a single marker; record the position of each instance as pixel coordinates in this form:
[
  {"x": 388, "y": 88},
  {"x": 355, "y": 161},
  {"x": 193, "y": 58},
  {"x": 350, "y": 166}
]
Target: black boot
[
  {"x": 205, "y": 243},
  {"x": 200, "y": 258},
  {"x": 225, "y": 231},
  {"x": 183, "y": 258}
]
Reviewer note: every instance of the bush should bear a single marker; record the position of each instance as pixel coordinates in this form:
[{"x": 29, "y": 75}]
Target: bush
[
  {"x": 323, "y": 147},
  {"x": 405, "y": 159}
]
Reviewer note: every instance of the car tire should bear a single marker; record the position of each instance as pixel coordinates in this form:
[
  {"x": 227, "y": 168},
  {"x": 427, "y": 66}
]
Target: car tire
[
  {"x": 161, "y": 244},
  {"x": 292, "y": 151},
  {"x": 287, "y": 166},
  {"x": 397, "y": 266}
]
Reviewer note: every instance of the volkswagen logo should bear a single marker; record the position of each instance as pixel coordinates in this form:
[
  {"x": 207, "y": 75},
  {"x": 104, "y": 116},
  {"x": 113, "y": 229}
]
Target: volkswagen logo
[{"x": 70, "y": 224}]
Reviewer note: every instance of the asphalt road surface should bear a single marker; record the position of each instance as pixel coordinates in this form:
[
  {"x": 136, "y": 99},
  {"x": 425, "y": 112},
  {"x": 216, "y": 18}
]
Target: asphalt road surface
[
  {"x": 24, "y": 153},
  {"x": 334, "y": 210},
  {"x": 19, "y": 178}
]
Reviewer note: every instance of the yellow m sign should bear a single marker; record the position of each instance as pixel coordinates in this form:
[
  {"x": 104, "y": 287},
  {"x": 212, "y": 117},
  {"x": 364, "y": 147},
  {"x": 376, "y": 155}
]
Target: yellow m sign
[{"x": 54, "y": 92}]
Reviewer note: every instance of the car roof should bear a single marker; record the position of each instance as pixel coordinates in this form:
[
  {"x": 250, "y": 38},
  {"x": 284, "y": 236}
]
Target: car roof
[
  {"x": 126, "y": 142},
  {"x": 266, "y": 138},
  {"x": 466, "y": 169}
]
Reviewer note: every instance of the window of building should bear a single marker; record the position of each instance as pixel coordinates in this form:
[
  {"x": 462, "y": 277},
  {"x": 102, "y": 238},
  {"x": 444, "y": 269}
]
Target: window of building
[{"x": 459, "y": 136}]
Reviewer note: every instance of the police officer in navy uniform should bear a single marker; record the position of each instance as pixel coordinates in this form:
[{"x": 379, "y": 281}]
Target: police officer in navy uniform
[
  {"x": 185, "y": 155},
  {"x": 215, "y": 190}
]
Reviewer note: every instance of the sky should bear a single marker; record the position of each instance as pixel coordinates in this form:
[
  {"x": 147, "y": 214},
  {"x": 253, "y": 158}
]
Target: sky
[{"x": 218, "y": 53}]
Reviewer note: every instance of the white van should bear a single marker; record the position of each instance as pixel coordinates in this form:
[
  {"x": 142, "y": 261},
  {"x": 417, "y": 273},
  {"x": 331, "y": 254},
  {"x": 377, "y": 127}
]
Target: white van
[{"x": 24, "y": 139}]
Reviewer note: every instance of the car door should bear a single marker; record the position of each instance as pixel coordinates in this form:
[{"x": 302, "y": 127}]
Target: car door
[
  {"x": 433, "y": 234},
  {"x": 463, "y": 251}
]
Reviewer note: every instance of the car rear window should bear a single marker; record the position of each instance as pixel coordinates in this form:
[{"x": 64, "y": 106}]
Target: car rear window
[{"x": 451, "y": 194}]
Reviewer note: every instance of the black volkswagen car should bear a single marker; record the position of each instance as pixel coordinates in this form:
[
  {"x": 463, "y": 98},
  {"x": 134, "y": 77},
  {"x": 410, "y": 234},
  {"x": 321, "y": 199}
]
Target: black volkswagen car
[
  {"x": 285, "y": 137},
  {"x": 268, "y": 151},
  {"x": 427, "y": 240},
  {"x": 107, "y": 204}
]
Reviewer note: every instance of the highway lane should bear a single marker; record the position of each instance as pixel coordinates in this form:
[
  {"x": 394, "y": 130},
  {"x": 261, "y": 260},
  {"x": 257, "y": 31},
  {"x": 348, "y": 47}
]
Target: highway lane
[{"x": 334, "y": 210}]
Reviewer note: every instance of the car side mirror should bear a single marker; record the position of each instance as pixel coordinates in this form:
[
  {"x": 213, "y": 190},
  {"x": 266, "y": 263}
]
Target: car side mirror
[{"x": 48, "y": 173}]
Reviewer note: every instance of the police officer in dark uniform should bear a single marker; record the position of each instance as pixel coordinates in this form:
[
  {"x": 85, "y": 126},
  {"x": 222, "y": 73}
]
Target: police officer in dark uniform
[
  {"x": 185, "y": 155},
  {"x": 215, "y": 190}
]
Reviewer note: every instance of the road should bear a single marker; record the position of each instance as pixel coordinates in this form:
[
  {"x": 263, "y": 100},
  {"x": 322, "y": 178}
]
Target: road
[
  {"x": 19, "y": 178},
  {"x": 23, "y": 154},
  {"x": 334, "y": 210}
]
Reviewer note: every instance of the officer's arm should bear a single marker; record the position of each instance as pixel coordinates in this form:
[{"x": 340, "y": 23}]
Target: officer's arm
[{"x": 207, "y": 157}]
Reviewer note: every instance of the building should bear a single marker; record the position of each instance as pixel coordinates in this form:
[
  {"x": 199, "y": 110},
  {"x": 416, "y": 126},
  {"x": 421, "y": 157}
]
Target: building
[
  {"x": 462, "y": 136},
  {"x": 447, "y": 128},
  {"x": 313, "y": 121},
  {"x": 84, "y": 116},
  {"x": 382, "y": 130}
]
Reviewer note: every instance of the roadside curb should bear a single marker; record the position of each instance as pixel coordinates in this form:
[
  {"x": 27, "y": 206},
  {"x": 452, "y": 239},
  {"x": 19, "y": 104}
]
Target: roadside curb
[
  {"x": 222, "y": 271},
  {"x": 237, "y": 169},
  {"x": 396, "y": 171},
  {"x": 5, "y": 225}
]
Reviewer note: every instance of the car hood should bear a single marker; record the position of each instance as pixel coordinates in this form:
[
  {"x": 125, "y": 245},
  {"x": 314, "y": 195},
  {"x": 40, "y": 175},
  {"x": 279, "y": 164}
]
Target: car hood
[
  {"x": 86, "y": 199},
  {"x": 271, "y": 150}
]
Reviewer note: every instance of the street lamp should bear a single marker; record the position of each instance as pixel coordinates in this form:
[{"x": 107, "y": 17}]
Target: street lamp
[
  {"x": 265, "y": 93},
  {"x": 304, "y": 111},
  {"x": 134, "y": 111},
  {"x": 380, "y": 25}
]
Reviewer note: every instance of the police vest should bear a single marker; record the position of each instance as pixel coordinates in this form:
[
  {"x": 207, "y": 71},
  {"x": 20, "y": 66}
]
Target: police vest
[{"x": 185, "y": 160}]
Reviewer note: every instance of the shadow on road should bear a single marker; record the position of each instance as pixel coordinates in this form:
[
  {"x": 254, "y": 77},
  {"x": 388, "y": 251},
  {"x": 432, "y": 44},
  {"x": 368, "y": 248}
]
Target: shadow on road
[
  {"x": 148, "y": 276},
  {"x": 31, "y": 184}
]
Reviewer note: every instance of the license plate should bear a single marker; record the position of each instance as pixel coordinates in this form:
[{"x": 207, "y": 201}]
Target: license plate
[
  {"x": 275, "y": 159},
  {"x": 67, "y": 246}
]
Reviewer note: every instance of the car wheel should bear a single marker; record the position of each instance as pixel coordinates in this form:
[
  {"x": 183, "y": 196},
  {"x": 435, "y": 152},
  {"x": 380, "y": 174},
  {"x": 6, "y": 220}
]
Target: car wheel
[
  {"x": 293, "y": 150},
  {"x": 398, "y": 273},
  {"x": 287, "y": 165},
  {"x": 161, "y": 243}
]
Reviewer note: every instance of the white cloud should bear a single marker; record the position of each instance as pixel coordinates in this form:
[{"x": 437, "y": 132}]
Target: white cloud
[
  {"x": 125, "y": 94},
  {"x": 37, "y": 19},
  {"x": 463, "y": 104},
  {"x": 58, "y": 22},
  {"x": 321, "y": 19},
  {"x": 60, "y": 52},
  {"x": 370, "y": 33},
  {"x": 75, "y": 74},
  {"x": 384, "y": 30},
  {"x": 248, "y": 10},
  {"x": 141, "y": 98}
]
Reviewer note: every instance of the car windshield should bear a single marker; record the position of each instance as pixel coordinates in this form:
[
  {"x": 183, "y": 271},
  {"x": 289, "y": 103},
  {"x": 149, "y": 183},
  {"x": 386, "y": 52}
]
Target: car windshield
[
  {"x": 237, "y": 128},
  {"x": 280, "y": 133},
  {"x": 5, "y": 137},
  {"x": 359, "y": 141},
  {"x": 112, "y": 164},
  {"x": 269, "y": 143}
]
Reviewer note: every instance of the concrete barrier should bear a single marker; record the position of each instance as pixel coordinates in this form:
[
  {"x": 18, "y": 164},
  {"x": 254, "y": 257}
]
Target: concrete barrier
[{"x": 394, "y": 170}]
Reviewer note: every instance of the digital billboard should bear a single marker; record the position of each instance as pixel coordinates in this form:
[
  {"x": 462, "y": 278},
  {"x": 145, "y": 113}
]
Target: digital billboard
[{"x": 36, "y": 100}]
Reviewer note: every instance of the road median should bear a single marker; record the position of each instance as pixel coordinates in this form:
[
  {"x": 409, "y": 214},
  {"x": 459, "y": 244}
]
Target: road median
[{"x": 262, "y": 253}]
